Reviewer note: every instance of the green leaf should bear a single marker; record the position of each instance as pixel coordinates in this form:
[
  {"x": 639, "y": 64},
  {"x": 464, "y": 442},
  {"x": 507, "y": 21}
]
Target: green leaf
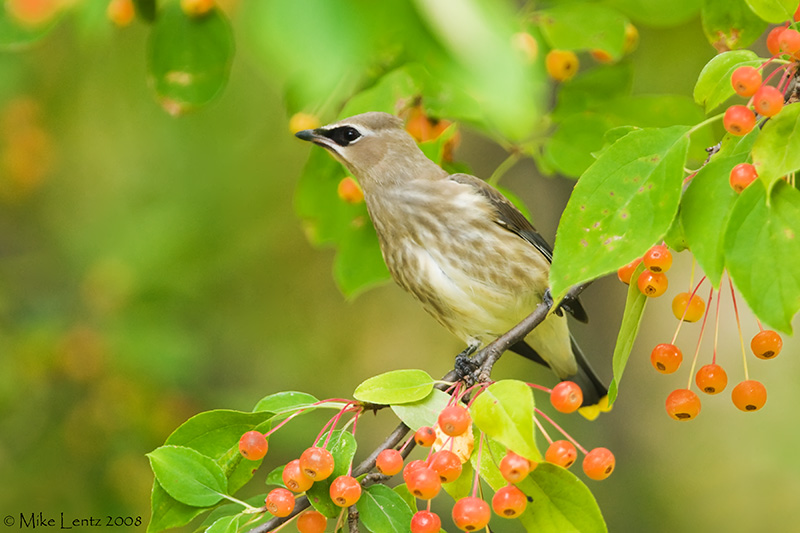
[
  {"x": 359, "y": 264},
  {"x": 287, "y": 401},
  {"x": 774, "y": 11},
  {"x": 492, "y": 453},
  {"x": 730, "y": 24},
  {"x": 653, "y": 12},
  {"x": 590, "y": 89},
  {"x": 587, "y": 26},
  {"x": 275, "y": 477},
  {"x": 15, "y": 35},
  {"x": 189, "y": 58},
  {"x": 761, "y": 240},
  {"x": 166, "y": 512},
  {"x": 382, "y": 510},
  {"x": 628, "y": 330},
  {"x": 504, "y": 412},
  {"x": 422, "y": 412},
  {"x": 569, "y": 150},
  {"x": 705, "y": 211},
  {"x": 188, "y": 476},
  {"x": 342, "y": 446},
  {"x": 226, "y": 524},
  {"x": 624, "y": 203},
  {"x": 462, "y": 486},
  {"x": 561, "y": 502},
  {"x": 714, "y": 82},
  {"x": 776, "y": 151},
  {"x": 397, "y": 386}
]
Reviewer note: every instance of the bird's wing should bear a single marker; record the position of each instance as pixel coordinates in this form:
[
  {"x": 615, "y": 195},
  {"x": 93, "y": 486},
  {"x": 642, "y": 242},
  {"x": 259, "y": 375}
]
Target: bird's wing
[{"x": 509, "y": 217}]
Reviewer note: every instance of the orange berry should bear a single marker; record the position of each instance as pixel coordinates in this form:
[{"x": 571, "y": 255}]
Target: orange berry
[
  {"x": 121, "y": 12},
  {"x": 280, "y": 502},
  {"x": 471, "y": 514},
  {"x": 652, "y": 284},
  {"x": 789, "y": 41},
  {"x": 197, "y": 8},
  {"x": 425, "y": 436},
  {"x": 350, "y": 191},
  {"x": 509, "y": 502},
  {"x": 631, "y": 38},
  {"x": 742, "y": 175},
  {"x": 683, "y": 404},
  {"x": 666, "y": 358},
  {"x": 317, "y": 463},
  {"x": 711, "y": 379},
  {"x": 312, "y": 522},
  {"x": 773, "y": 45},
  {"x": 749, "y": 395},
  {"x": 294, "y": 478},
  {"x": 690, "y": 310},
  {"x": 389, "y": 462},
  {"x": 33, "y": 12},
  {"x": 768, "y": 101},
  {"x": 566, "y": 397},
  {"x": 561, "y": 65},
  {"x": 447, "y": 465},
  {"x": 766, "y": 344},
  {"x": 454, "y": 420},
  {"x": 345, "y": 491},
  {"x": 658, "y": 258},
  {"x": 526, "y": 43},
  {"x": 601, "y": 56},
  {"x": 599, "y": 464},
  {"x": 253, "y": 445},
  {"x": 738, "y": 120},
  {"x": 746, "y": 80},
  {"x": 514, "y": 468},
  {"x": 561, "y": 452},
  {"x": 624, "y": 273}
]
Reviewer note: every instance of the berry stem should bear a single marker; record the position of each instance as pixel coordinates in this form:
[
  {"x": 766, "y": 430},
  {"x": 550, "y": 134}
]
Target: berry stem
[
  {"x": 561, "y": 430},
  {"x": 716, "y": 331},
  {"x": 478, "y": 468},
  {"x": 739, "y": 326},
  {"x": 704, "y": 123},
  {"x": 541, "y": 428},
  {"x": 539, "y": 387},
  {"x": 700, "y": 338}
]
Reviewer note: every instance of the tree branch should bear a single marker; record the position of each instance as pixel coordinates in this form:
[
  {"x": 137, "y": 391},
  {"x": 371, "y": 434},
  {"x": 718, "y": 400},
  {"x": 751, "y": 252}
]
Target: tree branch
[{"x": 486, "y": 357}]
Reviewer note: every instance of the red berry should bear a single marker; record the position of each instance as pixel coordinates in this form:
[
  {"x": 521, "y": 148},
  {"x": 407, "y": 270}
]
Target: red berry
[
  {"x": 280, "y": 502},
  {"x": 389, "y": 462},
  {"x": 652, "y": 284},
  {"x": 601, "y": 56},
  {"x": 121, "y": 12},
  {"x": 424, "y": 483},
  {"x": 471, "y": 514},
  {"x": 561, "y": 65},
  {"x": 426, "y": 522},
  {"x": 317, "y": 463},
  {"x": 768, "y": 101},
  {"x": 349, "y": 191},
  {"x": 624, "y": 273},
  {"x": 711, "y": 379},
  {"x": 411, "y": 466},
  {"x": 666, "y": 358},
  {"x": 253, "y": 445},
  {"x": 425, "y": 436},
  {"x": 789, "y": 41},
  {"x": 345, "y": 491},
  {"x": 561, "y": 452},
  {"x": 797, "y": 14},
  {"x": 742, "y": 175},
  {"x": 687, "y": 307},
  {"x": 658, "y": 258},
  {"x": 738, "y": 120},
  {"x": 766, "y": 344},
  {"x": 683, "y": 404},
  {"x": 772, "y": 39},
  {"x": 599, "y": 464},
  {"x": 746, "y": 80},
  {"x": 514, "y": 468},
  {"x": 311, "y": 522},
  {"x": 454, "y": 420},
  {"x": 749, "y": 395},
  {"x": 566, "y": 397},
  {"x": 509, "y": 502},
  {"x": 294, "y": 478},
  {"x": 447, "y": 465}
]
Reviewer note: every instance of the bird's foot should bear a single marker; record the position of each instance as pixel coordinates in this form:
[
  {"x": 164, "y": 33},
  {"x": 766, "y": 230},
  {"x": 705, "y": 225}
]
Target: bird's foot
[
  {"x": 547, "y": 298},
  {"x": 464, "y": 365}
]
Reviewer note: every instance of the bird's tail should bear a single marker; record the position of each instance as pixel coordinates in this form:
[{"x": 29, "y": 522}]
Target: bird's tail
[{"x": 595, "y": 393}]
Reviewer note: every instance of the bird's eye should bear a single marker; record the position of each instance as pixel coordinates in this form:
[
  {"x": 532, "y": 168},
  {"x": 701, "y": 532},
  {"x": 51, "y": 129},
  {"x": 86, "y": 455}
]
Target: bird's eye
[{"x": 343, "y": 135}]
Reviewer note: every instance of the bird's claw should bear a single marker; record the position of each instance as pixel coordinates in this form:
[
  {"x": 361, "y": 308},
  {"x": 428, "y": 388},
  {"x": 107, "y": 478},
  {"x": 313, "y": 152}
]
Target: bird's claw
[{"x": 547, "y": 298}]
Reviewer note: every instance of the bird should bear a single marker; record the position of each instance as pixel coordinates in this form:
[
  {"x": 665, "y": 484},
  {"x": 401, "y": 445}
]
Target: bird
[{"x": 457, "y": 245}]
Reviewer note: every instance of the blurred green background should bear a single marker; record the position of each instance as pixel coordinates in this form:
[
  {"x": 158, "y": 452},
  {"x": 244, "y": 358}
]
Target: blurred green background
[{"x": 152, "y": 267}]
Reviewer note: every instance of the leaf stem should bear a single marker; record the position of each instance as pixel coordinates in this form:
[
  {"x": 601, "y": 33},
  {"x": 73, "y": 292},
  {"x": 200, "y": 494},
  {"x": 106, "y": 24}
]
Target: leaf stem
[
  {"x": 503, "y": 167},
  {"x": 704, "y": 123}
]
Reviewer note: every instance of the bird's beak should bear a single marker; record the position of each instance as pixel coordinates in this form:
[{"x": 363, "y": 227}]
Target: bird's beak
[
  {"x": 307, "y": 135},
  {"x": 316, "y": 137}
]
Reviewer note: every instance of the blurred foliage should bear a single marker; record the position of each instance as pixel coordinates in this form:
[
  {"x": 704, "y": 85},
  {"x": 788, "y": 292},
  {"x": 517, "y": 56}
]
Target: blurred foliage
[{"x": 151, "y": 267}]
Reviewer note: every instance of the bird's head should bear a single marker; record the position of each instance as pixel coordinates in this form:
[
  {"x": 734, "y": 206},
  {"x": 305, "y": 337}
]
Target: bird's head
[{"x": 374, "y": 146}]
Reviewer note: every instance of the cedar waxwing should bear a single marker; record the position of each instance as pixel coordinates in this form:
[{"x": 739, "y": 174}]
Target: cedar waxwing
[{"x": 456, "y": 244}]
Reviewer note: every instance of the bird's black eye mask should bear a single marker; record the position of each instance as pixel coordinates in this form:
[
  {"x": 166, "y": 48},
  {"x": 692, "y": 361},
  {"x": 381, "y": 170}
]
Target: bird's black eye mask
[{"x": 342, "y": 135}]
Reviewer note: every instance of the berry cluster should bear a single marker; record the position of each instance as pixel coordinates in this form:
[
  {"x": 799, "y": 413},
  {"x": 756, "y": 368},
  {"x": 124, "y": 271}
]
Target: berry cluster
[
  {"x": 450, "y": 443},
  {"x": 652, "y": 282},
  {"x": 666, "y": 358}
]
